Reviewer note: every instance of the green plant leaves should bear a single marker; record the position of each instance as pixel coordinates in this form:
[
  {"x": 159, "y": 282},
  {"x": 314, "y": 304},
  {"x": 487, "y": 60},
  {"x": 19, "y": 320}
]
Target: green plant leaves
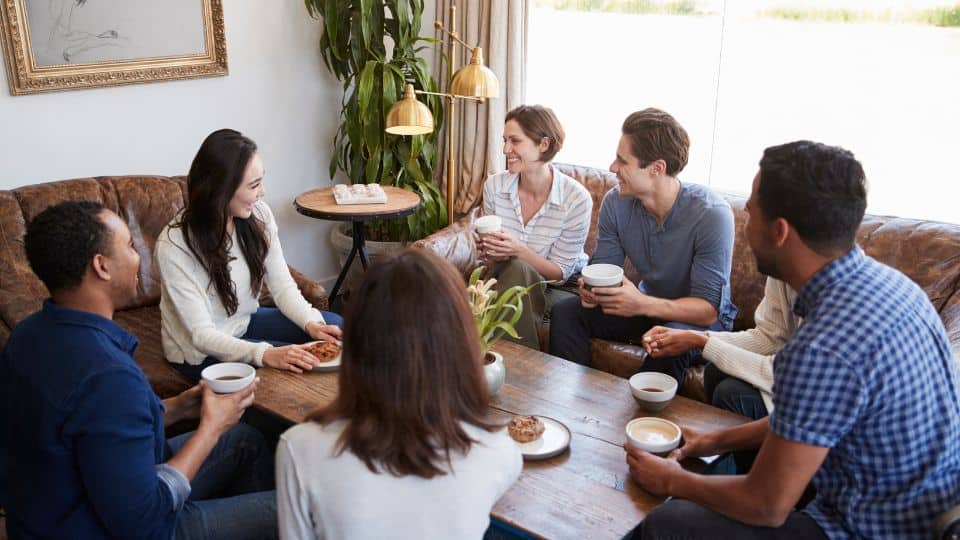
[{"x": 353, "y": 46}]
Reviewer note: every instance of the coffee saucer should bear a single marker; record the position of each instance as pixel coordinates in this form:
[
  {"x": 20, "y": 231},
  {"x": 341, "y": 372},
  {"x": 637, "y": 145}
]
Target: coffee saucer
[
  {"x": 554, "y": 441},
  {"x": 329, "y": 365}
]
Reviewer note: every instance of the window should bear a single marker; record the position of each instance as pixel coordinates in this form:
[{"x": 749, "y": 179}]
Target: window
[{"x": 881, "y": 79}]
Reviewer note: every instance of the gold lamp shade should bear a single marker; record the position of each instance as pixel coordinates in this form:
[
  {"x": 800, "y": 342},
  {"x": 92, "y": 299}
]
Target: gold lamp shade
[
  {"x": 475, "y": 79},
  {"x": 408, "y": 116}
]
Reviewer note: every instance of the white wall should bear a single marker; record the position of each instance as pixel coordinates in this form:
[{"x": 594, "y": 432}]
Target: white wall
[{"x": 278, "y": 92}]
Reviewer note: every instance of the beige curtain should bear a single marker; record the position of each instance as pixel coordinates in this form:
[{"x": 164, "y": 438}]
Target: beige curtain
[{"x": 500, "y": 28}]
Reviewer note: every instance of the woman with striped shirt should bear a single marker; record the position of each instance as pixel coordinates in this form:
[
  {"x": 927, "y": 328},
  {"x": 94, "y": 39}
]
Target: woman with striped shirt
[{"x": 545, "y": 216}]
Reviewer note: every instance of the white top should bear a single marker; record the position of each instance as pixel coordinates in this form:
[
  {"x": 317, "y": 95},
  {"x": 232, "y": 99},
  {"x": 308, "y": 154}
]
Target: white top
[
  {"x": 322, "y": 495},
  {"x": 748, "y": 355},
  {"x": 558, "y": 230},
  {"x": 194, "y": 323}
]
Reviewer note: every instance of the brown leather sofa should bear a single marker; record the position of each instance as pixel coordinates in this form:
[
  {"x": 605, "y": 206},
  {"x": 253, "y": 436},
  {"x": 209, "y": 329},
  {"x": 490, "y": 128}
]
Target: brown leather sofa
[
  {"x": 147, "y": 204},
  {"x": 926, "y": 251}
]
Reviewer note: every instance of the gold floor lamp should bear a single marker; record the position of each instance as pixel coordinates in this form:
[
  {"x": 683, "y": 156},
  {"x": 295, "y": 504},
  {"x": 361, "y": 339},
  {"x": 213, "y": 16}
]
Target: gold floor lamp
[{"x": 473, "y": 81}]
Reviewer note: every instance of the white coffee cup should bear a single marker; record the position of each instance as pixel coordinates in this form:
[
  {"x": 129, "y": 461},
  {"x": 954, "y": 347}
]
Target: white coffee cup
[
  {"x": 654, "y": 435},
  {"x": 488, "y": 224},
  {"x": 653, "y": 390},
  {"x": 228, "y": 377},
  {"x": 602, "y": 275}
]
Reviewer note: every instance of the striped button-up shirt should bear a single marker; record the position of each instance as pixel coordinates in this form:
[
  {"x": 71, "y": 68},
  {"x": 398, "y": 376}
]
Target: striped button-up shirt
[
  {"x": 557, "y": 231},
  {"x": 870, "y": 376}
]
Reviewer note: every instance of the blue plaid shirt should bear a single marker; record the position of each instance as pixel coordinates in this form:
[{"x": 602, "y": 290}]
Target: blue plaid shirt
[{"x": 870, "y": 375}]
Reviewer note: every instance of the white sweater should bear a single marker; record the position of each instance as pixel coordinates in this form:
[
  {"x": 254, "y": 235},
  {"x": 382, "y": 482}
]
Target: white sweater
[
  {"x": 748, "y": 355},
  {"x": 322, "y": 495},
  {"x": 194, "y": 323}
]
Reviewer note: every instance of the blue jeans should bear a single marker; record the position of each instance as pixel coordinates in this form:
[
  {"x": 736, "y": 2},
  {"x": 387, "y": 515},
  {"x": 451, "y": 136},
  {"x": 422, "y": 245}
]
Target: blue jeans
[
  {"x": 678, "y": 519},
  {"x": 229, "y": 497},
  {"x": 267, "y": 324},
  {"x": 572, "y": 326},
  {"x": 732, "y": 394}
]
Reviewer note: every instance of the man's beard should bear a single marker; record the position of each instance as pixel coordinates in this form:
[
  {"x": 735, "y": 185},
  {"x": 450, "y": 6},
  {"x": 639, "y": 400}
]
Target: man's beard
[{"x": 767, "y": 267}]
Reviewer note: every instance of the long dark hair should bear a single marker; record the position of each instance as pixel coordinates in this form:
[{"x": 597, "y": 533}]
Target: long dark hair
[
  {"x": 215, "y": 175},
  {"x": 406, "y": 388}
]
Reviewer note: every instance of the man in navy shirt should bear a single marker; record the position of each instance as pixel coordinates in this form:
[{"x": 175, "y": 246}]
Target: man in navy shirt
[
  {"x": 865, "y": 393},
  {"x": 82, "y": 446},
  {"x": 679, "y": 237}
]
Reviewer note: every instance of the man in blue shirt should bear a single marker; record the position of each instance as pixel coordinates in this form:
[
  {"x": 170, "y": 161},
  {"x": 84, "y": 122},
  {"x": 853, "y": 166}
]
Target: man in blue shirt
[
  {"x": 82, "y": 446},
  {"x": 865, "y": 393},
  {"x": 679, "y": 237}
]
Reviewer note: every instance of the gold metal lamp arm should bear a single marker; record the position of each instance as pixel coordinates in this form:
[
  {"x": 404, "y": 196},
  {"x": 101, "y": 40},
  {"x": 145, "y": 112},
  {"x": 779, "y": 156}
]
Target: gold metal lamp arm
[{"x": 473, "y": 81}]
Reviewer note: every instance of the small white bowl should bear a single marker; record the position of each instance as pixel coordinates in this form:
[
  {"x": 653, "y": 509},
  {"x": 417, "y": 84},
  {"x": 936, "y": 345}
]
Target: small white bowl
[
  {"x": 602, "y": 275},
  {"x": 488, "y": 224},
  {"x": 228, "y": 377},
  {"x": 653, "y": 390},
  {"x": 654, "y": 435}
]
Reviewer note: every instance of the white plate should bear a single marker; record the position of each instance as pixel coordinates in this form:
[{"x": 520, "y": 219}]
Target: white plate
[
  {"x": 331, "y": 365},
  {"x": 553, "y": 442}
]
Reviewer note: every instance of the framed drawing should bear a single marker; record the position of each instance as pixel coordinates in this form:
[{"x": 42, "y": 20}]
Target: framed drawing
[{"x": 51, "y": 45}]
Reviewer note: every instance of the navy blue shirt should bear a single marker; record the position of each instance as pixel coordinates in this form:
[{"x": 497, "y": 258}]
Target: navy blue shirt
[
  {"x": 82, "y": 432},
  {"x": 870, "y": 376},
  {"x": 688, "y": 255}
]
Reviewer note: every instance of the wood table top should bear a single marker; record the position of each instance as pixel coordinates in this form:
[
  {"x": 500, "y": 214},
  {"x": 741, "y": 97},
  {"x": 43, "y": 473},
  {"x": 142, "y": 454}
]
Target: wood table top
[
  {"x": 585, "y": 492},
  {"x": 319, "y": 203}
]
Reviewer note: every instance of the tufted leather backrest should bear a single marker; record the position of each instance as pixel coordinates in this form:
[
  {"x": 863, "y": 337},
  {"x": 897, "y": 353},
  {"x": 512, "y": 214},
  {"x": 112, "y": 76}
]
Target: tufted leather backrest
[{"x": 146, "y": 203}]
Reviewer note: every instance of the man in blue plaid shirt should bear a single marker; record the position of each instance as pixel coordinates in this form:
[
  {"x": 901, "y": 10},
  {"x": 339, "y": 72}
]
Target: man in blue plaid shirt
[{"x": 865, "y": 394}]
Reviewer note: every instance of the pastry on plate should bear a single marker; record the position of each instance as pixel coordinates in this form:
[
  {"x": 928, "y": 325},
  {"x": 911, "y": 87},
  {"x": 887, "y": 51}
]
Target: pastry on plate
[
  {"x": 325, "y": 351},
  {"x": 525, "y": 429}
]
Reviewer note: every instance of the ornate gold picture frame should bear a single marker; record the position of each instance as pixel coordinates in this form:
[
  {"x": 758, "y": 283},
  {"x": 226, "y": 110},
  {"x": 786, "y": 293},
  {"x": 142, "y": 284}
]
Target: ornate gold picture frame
[{"x": 53, "y": 45}]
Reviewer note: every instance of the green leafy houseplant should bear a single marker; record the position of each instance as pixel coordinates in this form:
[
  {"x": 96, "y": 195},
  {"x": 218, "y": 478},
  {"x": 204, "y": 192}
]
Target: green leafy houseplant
[
  {"x": 495, "y": 313},
  {"x": 371, "y": 46}
]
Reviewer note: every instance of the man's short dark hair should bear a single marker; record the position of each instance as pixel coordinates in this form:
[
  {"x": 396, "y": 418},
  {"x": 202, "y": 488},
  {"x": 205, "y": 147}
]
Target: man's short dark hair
[
  {"x": 63, "y": 239},
  {"x": 820, "y": 190},
  {"x": 654, "y": 134}
]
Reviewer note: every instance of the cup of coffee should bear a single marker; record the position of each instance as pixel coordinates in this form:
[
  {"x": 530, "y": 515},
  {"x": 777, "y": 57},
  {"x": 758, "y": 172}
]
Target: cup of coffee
[
  {"x": 652, "y": 390},
  {"x": 228, "y": 377},
  {"x": 488, "y": 224},
  {"x": 601, "y": 275},
  {"x": 654, "y": 435}
]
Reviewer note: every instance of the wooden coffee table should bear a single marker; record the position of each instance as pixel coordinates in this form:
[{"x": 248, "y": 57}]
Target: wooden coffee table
[{"x": 583, "y": 493}]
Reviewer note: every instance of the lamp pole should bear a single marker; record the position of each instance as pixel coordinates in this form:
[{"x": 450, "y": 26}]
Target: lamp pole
[
  {"x": 474, "y": 82},
  {"x": 451, "y": 161}
]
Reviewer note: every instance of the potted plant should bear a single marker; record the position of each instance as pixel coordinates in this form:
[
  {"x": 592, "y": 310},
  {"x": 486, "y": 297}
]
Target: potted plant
[
  {"x": 372, "y": 47},
  {"x": 495, "y": 315}
]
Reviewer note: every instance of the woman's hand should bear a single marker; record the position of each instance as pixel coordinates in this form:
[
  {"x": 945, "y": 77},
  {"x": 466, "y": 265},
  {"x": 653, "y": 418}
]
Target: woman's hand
[
  {"x": 291, "y": 357},
  {"x": 219, "y": 412},
  {"x": 661, "y": 341},
  {"x": 485, "y": 257},
  {"x": 500, "y": 245},
  {"x": 324, "y": 332}
]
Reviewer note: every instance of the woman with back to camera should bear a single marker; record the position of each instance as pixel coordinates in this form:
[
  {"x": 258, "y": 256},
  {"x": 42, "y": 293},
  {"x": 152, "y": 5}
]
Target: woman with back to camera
[
  {"x": 545, "y": 216},
  {"x": 213, "y": 258},
  {"x": 405, "y": 450}
]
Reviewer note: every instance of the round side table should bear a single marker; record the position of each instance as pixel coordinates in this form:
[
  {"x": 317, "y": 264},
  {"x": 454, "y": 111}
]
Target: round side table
[{"x": 319, "y": 203}]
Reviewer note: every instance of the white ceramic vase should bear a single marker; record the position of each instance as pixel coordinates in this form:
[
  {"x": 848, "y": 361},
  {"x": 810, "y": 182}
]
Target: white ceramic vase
[{"x": 494, "y": 372}]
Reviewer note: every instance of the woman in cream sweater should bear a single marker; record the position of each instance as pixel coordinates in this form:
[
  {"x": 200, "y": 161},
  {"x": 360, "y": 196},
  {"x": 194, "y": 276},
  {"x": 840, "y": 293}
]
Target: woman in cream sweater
[
  {"x": 407, "y": 449},
  {"x": 213, "y": 258},
  {"x": 740, "y": 375}
]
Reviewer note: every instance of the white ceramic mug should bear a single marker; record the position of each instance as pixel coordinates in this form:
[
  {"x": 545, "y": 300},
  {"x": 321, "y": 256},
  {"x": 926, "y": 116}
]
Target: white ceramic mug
[
  {"x": 602, "y": 275},
  {"x": 654, "y": 435},
  {"x": 228, "y": 377},
  {"x": 488, "y": 224}
]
